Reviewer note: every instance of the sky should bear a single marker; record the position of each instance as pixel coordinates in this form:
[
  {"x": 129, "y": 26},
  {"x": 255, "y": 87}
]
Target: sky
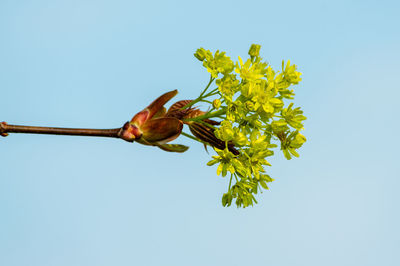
[{"x": 99, "y": 201}]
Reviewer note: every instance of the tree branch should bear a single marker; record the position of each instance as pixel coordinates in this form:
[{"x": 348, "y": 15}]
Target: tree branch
[{"x": 6, "y": 128}]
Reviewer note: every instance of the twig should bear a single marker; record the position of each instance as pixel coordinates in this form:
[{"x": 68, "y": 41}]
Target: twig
[{"x": 6, "y": 128}]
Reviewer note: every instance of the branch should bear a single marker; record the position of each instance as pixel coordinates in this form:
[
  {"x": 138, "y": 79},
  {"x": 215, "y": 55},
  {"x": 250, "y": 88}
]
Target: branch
[{"x": 110, "y": 133}]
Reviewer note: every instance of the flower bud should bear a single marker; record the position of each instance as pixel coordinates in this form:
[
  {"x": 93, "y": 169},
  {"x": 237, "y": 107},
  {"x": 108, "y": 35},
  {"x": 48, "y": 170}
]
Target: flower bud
[
  {"x": 249, "y": 105},
  {"x": 216, "y": 103},
  {"x": 200, "y": 54},
  {"x": 254, "y": 50}
]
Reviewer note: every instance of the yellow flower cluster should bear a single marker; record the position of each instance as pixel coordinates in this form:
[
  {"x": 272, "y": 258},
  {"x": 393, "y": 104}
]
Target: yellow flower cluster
[{"x": 250, "y": 99}]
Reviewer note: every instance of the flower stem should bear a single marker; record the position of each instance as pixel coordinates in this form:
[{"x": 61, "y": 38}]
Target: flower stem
[
  {"x": 198, "y": 99},
  {"x": 6, "y": 128},
  {"x": 208, "y": 85},
  {"x": 207, "y": 115},
  {"x": 193, "y": 138},
  {"x": 230, "y": 182},
  {"x": 189, "y": 136}
]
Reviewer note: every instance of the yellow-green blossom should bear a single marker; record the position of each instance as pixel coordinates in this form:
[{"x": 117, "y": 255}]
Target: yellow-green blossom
[
  {"x": 250, "y": 105},
  {"x": 227, "y": 86},
  {"x": 224, "y": 158}
]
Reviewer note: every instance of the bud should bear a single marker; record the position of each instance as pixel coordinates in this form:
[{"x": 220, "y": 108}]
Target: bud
[
  {"x": 216, "y": 103},
  {"x": 200, "y": 54},
  {"x": 240, "y": 138},
  {"x": 254, "y": 50},
  {"x": 249, "y": 105}
]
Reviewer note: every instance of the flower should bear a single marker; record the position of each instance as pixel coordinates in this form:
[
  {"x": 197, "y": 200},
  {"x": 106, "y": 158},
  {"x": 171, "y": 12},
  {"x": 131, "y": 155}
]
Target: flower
[
  {"x": 251, "y": 105},
  {"x": 225, "y": 159}
]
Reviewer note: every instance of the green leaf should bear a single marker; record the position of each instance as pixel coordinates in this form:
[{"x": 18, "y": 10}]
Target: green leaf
[{"x": 173, "y": 147}]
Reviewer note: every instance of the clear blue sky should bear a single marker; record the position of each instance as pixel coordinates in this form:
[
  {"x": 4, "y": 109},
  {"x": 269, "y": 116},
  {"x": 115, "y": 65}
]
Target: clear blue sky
[{"x": 92, "y": 201}]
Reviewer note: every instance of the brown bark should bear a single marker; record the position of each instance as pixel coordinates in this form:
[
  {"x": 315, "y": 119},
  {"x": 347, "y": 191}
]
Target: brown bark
[{"x": 6, "y": 128}]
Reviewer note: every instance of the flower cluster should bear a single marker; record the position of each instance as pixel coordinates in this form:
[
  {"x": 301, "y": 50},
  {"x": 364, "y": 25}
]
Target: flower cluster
[{"x": 249, "y": 99}]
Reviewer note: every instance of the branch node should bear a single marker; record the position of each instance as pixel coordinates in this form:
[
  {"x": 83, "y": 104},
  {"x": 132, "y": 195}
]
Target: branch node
[{"x": 3, "y": 129}]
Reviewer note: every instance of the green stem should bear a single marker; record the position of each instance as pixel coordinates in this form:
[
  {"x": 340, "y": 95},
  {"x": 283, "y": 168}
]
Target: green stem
[
  {"x": 193, "y": 138},
  {"x": 206, "y": 101},
  {"x": 198, "y": 99},
  {"x": 205, "y": 123},
  {"x": 208, "y": 85},
  {"x": 208, "y": 115},
  {"x": 189, "y": 136},
  {"x": 211, "y": 93}
]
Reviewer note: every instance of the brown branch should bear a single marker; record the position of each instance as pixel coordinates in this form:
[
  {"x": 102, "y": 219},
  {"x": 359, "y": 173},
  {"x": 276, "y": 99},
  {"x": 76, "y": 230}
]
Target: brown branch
[{"x": 6, "y": 128}]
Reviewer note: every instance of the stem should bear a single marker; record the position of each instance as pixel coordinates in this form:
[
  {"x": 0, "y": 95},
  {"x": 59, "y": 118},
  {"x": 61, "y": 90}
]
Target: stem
[
  {"x": 205, "y": 123},
  {"x": 6, "y": 128},
  {"x": 193, "y": 138},
  {"x": 207, "y": 115},
  {"x": 189, "y": 136},
  {"x": 206, "y": 101},
  {"x": 230, "y": 182},
  {"x": 201, "y": 95},
  {"x": 211, "y": 93},
  {"x": 208, "y": 85}
]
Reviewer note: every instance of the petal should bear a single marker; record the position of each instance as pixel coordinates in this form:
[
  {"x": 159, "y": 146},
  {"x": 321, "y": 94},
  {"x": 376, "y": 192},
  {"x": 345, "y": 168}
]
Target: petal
[
  {"x": 156, "y": 108},
  {"x": 207, "y": 134},
  {"x": 140, "y": 118},
  {"x": 160, "y": 113},
  {"x": 178, "y": 105},
  {"x": 161, "y": 130},
  {"x": 158, "y": 103}
]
